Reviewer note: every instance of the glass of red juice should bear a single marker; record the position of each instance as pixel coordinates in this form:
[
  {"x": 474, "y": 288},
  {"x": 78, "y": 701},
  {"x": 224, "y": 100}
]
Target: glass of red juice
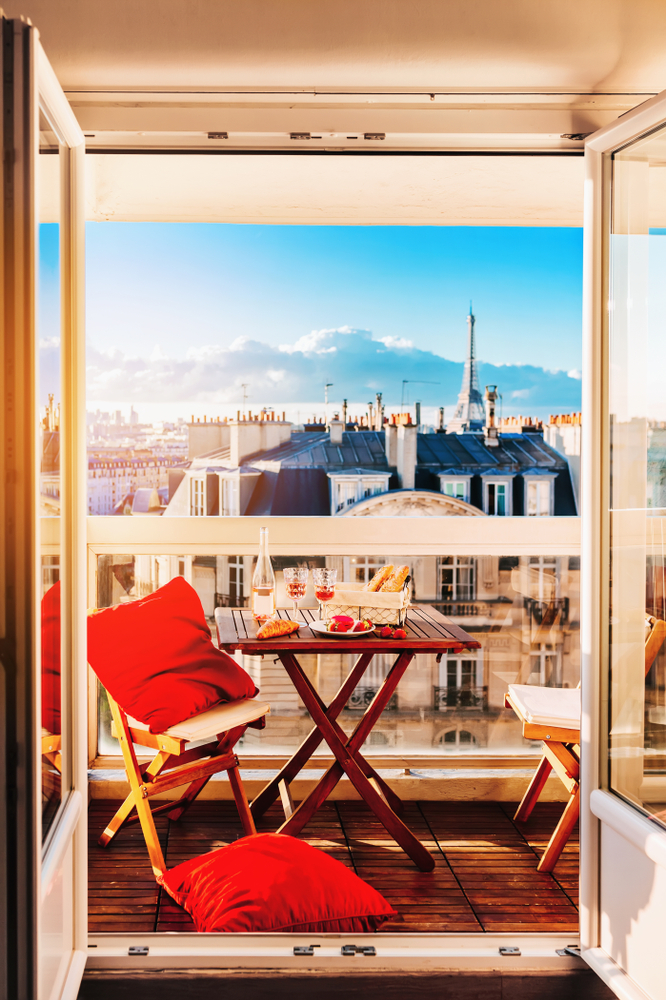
[{"x": 324, "y": 582}]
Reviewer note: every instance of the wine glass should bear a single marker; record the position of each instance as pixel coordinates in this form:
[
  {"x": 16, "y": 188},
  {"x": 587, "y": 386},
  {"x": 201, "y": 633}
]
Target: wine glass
[
  {"x": 324, "y": 581},
  {"x": 295, "y": 581}
]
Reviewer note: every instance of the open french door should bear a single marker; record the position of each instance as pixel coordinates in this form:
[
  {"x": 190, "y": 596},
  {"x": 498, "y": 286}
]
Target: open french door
[
  {"x": 42, "y": 517},
  {"x": 623, "y": 821}
]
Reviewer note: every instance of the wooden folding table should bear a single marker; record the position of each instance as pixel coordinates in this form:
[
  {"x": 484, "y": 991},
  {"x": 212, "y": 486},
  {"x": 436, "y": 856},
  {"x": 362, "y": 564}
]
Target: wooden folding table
[{"x": 427, "y": 632}]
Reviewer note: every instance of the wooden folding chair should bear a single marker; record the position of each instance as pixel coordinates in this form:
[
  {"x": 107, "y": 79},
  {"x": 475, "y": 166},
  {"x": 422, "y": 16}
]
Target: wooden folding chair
[
  {"x": 553, "y": 716},
  {"x": 179, "y": 763}
]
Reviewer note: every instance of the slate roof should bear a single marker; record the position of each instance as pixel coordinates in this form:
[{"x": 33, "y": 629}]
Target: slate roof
[{"x": 294, "y": 477}]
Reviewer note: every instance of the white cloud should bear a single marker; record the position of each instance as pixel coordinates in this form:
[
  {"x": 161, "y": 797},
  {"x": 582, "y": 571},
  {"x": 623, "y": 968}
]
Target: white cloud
[
  {"x": 574, "y": 373},
  {"x": 396, "y": 343},
  {"x": 349, "y": 358}
]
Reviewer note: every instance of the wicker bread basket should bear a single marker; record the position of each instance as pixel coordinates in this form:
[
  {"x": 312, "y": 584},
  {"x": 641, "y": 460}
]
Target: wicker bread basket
[{"x": 380, "y": 608}]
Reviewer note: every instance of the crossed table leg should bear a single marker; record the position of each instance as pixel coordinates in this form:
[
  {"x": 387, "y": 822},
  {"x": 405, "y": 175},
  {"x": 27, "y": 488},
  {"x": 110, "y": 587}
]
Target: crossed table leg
[{"x": 371, "y": 787}]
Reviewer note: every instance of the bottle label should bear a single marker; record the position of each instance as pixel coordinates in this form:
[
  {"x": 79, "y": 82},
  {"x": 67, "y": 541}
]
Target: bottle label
[{"x": 263, "y": 603}]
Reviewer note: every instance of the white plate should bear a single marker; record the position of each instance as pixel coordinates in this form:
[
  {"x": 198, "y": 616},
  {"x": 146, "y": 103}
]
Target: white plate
[{"x": 321, "y": 629}]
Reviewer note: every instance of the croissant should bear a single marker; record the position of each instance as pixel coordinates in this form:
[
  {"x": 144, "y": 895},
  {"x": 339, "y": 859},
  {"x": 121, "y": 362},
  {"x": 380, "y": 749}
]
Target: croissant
[
  {"x": 380, "y": 577},
  {"x": 276, "y": 627},
  {"x": 396, "y": 581}
]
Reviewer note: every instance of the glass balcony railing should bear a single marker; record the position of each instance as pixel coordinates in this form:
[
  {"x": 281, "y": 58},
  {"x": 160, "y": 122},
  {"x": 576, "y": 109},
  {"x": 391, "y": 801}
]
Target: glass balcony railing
[{"x": 522, "y": 607}]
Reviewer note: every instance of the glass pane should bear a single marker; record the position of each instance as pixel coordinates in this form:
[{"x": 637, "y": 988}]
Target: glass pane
[
  {"x": 49, "y": 399},
  {"x": 637, "y": 722},
  {"x": 523, "y": 610}
]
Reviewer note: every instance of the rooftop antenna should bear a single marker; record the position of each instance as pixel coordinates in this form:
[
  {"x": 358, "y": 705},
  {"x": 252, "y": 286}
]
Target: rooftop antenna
[{"x": 412, "y": 381}]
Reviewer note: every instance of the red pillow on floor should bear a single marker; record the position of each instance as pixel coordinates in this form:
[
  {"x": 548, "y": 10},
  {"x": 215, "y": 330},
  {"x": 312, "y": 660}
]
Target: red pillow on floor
[
  {"x": 157, "y": 659},
  {"x": 51, "y": 660},
  {"x": 271, "y": 882}
]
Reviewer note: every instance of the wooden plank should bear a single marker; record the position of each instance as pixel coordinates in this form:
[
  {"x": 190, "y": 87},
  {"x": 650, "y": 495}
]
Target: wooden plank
[{"x": 485, "y": 879}]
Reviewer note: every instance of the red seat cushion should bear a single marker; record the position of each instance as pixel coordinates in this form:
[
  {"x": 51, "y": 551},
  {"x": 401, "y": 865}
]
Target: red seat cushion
[
  {"x": 271, "y": 882},
  {"x": 51, "y": 659},
  {"x": 157, "y": 659}
]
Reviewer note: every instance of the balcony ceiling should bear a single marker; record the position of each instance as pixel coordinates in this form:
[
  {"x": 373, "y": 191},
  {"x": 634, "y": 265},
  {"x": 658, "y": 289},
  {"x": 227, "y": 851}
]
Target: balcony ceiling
[
  {"x": 585, "y": 46},
  {"x": 429, "y": 75}
]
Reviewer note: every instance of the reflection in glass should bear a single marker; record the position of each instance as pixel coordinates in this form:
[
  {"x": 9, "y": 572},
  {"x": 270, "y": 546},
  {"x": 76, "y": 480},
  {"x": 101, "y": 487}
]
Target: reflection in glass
[
  {"x": 49, "y": 398},
  {"x": 637, "y": 361},
  {"x": 524, "y": 610}
]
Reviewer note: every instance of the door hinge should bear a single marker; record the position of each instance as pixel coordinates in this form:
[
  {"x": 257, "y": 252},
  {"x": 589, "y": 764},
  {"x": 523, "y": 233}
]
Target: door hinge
[
  {"x": 352, "y": 949},
  {"x": 571, "y": 950},
  {"x": 306, "y": 949}
]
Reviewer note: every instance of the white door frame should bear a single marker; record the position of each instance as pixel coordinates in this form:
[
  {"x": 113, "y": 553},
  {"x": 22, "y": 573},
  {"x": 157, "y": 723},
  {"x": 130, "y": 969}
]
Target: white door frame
[
  {"x": 46, "y": 945},
  {"x": 598, "y": 805}
]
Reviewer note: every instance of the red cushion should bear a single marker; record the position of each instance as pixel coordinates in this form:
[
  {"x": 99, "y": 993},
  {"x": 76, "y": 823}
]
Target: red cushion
[
  {"x": 270, "y": 882},
  {"x": 51, "y": 659},
  {"x": 157, "y": 659}
]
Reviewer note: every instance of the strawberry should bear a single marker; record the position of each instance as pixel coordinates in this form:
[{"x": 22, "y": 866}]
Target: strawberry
[
  {"x": 386, "y": 632},
  {"x": 400, "y": 634}
]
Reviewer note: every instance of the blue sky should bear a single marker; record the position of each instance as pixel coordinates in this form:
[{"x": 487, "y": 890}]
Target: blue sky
[
  {"x": 180, "y": 315},
  {"x": 183, "y": 285}
]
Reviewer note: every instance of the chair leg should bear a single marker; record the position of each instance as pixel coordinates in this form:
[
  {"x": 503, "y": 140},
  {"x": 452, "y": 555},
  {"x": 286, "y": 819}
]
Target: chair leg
[
  {"x": 561, "y": 834},
  {"x": 117, "y": 821},
  {"x": 135, "y": 779},
  {"x": 242, "y": 804},
  {"x": 533, "y": 792}
]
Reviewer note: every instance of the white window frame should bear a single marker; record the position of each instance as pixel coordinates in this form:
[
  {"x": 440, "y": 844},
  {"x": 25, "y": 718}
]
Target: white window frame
[
  {"x": 347, "y": 490},
  {"x": 229, "y": 496},
  {"x": 455, "y": 481},
  {"x": 540, "y": 658},
  {"x": 197, "y": 496},
  {"x": 540, "y": 481},
  {"x": 507, "y": 482},
  {"x": 458, "y": 563}
]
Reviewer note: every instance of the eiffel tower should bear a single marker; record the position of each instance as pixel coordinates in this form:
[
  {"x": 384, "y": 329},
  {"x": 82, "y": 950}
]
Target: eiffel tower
[{"x": 469, "y": 415}]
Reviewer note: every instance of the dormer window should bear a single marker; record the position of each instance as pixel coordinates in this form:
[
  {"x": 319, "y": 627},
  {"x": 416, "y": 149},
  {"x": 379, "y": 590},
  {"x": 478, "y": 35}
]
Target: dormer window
[
  {"x": 539, "y": 495},
  {"x": 348, "y": 489},
  {"x": 455, "y": 486},
  {"x": 497, "y": 496},
  {"x": 197, "y": 496}
]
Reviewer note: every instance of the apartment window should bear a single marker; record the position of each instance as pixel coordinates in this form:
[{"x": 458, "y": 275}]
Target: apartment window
[
  {"x": 363, "y": 568},
  {"x": 544, "y": 578},
  {"x": 456, "y": 738},
  {"x": 229, "y": 493},
  {"x": 346, "y": 495},
  {"x": 497, "y": 497},
  {"x": 460, "y": 683},
  {"x": 197, "y": 497},
  {"x": 458, "y": 488},
  {"x": 538, "y": 497},
  {"x": 236, "y": 581},
  {"x": 456, "y": 578},
  {"x": 545, "y": 665}
]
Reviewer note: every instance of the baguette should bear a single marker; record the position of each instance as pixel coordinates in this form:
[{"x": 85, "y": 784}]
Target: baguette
[
  {"x": 380, "y": 577},
  {"x": 396, "y": 581},
  {"x": 275, "y": 627}
]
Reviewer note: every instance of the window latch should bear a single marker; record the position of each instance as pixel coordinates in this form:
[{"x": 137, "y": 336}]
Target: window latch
[
  {"x": 138, "y": 949},
  {"x": 351, "y": 949},
  {"x": 571, "y": 950},
  {"x": 510, "y": 951}
]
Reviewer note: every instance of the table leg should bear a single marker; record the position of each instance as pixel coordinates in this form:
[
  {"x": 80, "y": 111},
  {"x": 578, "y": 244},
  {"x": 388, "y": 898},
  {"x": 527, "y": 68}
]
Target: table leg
[
  {"x": 346, "y": 759},
  {"x": 309, "y": 806},
  {"x": 271, "y": 791}
]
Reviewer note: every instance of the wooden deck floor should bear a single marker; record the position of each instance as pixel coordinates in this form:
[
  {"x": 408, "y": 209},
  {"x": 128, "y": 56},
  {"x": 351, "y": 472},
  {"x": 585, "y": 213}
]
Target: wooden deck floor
[{"x": 485, "y": 878}]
